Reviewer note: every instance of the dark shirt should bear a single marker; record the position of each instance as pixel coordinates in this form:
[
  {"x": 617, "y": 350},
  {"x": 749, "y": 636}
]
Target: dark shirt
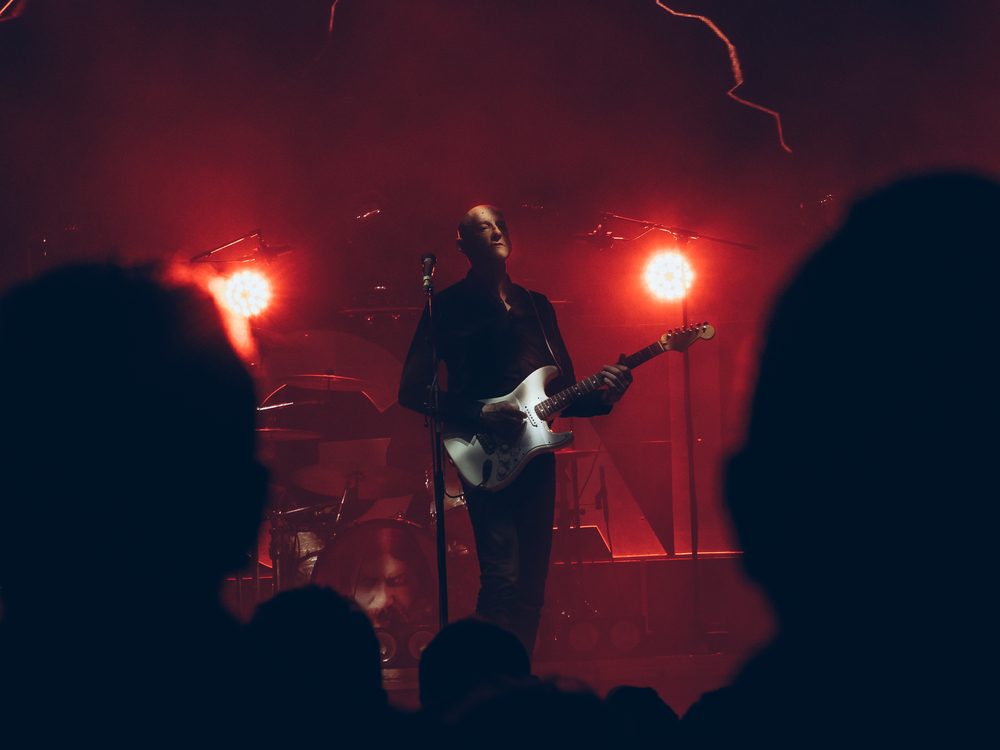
[{"x": 488, "y": 350}]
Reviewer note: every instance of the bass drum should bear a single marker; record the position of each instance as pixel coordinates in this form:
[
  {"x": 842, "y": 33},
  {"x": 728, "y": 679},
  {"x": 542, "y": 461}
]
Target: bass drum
[{"x": 387, "y": 566}]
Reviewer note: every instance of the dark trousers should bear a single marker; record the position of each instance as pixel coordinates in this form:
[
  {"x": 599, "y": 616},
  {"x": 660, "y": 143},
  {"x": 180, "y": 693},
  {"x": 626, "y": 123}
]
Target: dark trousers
[{"x": 513, "y": 531}]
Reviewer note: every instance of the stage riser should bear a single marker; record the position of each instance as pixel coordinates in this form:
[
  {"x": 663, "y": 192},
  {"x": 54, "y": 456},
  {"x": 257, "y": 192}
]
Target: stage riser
[
  {"x": 683, "y": 606},
  {"x": 702, "y": 606}
]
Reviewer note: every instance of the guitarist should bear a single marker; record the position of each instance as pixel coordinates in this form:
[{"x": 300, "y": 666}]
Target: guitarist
[{"x": 491, "y": 334}]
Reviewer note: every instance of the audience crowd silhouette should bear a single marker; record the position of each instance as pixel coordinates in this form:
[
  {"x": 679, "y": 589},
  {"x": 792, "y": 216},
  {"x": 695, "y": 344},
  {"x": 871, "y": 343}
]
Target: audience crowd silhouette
[{"x": 860, "y": 496}]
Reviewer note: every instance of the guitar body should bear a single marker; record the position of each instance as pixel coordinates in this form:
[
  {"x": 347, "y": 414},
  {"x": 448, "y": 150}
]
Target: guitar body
[{"x": 484, "y": 461}]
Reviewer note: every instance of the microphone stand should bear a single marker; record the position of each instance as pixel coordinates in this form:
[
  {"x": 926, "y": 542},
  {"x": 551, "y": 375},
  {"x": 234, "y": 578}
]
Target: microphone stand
[{"x": 437, "y": 449}]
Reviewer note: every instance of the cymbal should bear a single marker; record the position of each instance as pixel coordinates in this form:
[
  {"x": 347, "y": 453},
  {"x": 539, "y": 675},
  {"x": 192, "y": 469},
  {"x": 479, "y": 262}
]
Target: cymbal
[
  {"x": 372, "y": 482},
  {"x": 283, "y": 435},
  {"x": 288, "y": 404},
  {"x": 326, "y": 382}
]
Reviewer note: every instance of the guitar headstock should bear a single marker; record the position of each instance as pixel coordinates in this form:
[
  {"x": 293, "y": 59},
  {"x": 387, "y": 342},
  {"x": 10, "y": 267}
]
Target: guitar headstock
[{"x": 680, "y": 339}]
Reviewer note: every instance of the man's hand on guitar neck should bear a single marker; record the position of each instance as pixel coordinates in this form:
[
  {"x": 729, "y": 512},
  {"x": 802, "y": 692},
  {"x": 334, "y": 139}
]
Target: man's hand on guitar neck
[
  {"x": 505, "y": 419},
  {"x": 617, "y": 378}
]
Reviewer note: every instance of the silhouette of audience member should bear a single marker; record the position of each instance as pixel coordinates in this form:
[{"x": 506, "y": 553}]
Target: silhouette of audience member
[
  {"x": 130, "y": 488},
  {"x": 322, "y": 670},
  {"x": 467, "y": 655},
  {"x": 640, "y": 718},
  {"x": 535, "y": 716},
  {"x": 861, "y": 494}
]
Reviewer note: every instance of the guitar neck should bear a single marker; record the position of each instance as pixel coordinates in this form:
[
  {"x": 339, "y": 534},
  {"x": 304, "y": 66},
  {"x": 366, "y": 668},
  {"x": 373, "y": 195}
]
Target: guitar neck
[
  {"x": 677, "y": 340},
  {"x": 565, "y": 398}
]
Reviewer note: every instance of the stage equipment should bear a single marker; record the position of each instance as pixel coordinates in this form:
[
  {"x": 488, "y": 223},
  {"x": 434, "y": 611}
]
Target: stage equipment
[
  {"x": 259, "y": 251},
  {"x": 247, "y": 293},
  {"x": 437, "y": 445},
  {"x": 668, "y": 275},
  {"x": 342, "y": 478},
  {"x": 326, "y": 383},
  {"x": 604, "y": 239},
  {"x": 428, "y": 260},
  {"x": 386, "y": 566},
  {"x": 606, "y": 636},
  {"x": 485, "y": 460}
]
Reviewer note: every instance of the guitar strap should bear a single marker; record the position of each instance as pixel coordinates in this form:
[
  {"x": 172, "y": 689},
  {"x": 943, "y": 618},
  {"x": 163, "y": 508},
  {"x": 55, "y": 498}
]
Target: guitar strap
[{"x": 555, "y": 359}]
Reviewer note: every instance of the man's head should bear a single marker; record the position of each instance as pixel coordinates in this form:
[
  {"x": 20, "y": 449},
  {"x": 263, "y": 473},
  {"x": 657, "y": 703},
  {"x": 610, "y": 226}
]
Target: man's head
[
  {"x": 129, "y": 426},
  {"x": 483, "y": 237},
  {"x": 865, "y": 454},
  {"x": 465, "y": 655}
]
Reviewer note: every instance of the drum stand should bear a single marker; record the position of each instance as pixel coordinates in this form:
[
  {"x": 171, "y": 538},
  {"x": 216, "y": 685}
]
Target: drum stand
[
  {"x": 254, "y": 576},
  {"x": 282, "y": 533}
]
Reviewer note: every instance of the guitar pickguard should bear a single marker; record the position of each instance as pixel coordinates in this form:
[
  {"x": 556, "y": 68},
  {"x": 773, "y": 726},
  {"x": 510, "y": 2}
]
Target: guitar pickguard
[{"x": 485, "y": 460}]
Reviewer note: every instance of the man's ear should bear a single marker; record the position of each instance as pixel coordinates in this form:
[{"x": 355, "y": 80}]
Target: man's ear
[{"x": 460, "y": 244}]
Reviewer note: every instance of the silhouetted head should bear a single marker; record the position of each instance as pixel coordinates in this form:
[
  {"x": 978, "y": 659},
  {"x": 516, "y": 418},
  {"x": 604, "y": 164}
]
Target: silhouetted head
[
  {"x": 465, "y": 655},
  {"x": 538, "y": 715},
  {"x": 128, "y": 441},
  {"x": 483, "y": 238},
  {"x": 864, "y": 480},
  {"x": 318, "y": 630},
  {"x": 640, "y": 717}
]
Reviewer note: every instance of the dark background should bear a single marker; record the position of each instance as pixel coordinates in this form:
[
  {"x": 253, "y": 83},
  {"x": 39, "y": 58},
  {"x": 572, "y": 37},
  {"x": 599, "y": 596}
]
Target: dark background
[{"x": 158, "y": 131}]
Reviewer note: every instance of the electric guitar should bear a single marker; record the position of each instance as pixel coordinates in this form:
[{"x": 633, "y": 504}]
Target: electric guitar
[{"x": 486, "y": 460}]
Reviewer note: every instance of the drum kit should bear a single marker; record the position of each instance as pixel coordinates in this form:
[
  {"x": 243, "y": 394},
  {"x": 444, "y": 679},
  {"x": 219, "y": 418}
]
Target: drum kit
[{"x": 339, "y": 516}]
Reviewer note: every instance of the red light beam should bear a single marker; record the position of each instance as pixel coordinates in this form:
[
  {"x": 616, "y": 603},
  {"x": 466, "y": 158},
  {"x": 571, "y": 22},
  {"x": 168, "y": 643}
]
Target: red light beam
[{"x": 734, "y": 62}]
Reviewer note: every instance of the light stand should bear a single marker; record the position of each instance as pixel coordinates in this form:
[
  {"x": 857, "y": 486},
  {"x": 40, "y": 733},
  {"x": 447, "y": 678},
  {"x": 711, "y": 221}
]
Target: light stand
[
  {"x": 264, "y": 253},
  {"x": 604, "y": 239}
]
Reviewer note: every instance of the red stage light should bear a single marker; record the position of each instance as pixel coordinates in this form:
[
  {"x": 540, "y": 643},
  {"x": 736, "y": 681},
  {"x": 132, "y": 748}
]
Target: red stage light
[
  {"x": 668, "y": 275},
  {"x": 247, "y": 293}
]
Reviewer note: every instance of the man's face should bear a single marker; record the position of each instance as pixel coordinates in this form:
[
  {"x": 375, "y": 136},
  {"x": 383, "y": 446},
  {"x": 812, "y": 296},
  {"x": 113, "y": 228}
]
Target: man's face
[
  {"x": 386, "y": 588},
  {"x": 485, "y": 239}
]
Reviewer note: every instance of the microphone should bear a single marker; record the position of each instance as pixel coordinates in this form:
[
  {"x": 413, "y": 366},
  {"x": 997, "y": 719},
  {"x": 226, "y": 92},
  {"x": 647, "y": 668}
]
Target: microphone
[{"x": 428, "y": 260}]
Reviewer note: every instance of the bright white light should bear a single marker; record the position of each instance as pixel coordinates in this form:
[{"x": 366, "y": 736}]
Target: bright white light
[
  {"x": 669, "y": 276},
  {"x": 247, "y": 293}
]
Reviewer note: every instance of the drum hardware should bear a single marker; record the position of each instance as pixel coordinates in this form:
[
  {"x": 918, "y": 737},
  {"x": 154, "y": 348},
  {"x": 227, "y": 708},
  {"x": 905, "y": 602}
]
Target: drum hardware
[
  {"x": 567, "y": 538},
  {"x": 326, "y": 382},
  {"x": 283, "y": 434},
  {"x": 371, "y": 482}
]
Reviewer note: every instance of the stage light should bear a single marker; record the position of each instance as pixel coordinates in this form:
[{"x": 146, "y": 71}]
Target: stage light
[
  {"x": 247, "y": 293},
  {"x": 668, "y": 275}
]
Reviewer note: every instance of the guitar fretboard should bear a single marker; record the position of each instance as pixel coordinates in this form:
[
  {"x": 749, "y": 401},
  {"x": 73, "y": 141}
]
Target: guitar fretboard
[
  {"x": 565, "y": 398},
  {"x": 678, "y": 339}
]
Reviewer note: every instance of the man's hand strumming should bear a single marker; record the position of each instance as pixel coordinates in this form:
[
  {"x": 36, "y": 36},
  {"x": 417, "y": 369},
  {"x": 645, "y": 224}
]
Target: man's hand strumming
[{"x": 504, "y": 419}]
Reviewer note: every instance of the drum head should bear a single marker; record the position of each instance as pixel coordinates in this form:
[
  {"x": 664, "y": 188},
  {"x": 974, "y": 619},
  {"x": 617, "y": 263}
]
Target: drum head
[{"x": 387, "y": 566}]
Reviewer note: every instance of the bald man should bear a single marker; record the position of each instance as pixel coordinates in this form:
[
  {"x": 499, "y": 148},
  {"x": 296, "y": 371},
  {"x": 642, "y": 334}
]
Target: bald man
[{"x": 492, "y": 334}]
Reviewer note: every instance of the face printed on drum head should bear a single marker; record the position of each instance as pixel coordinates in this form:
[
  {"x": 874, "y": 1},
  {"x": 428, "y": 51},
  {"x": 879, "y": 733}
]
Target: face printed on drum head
[{"x": 386, "y": 588}]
